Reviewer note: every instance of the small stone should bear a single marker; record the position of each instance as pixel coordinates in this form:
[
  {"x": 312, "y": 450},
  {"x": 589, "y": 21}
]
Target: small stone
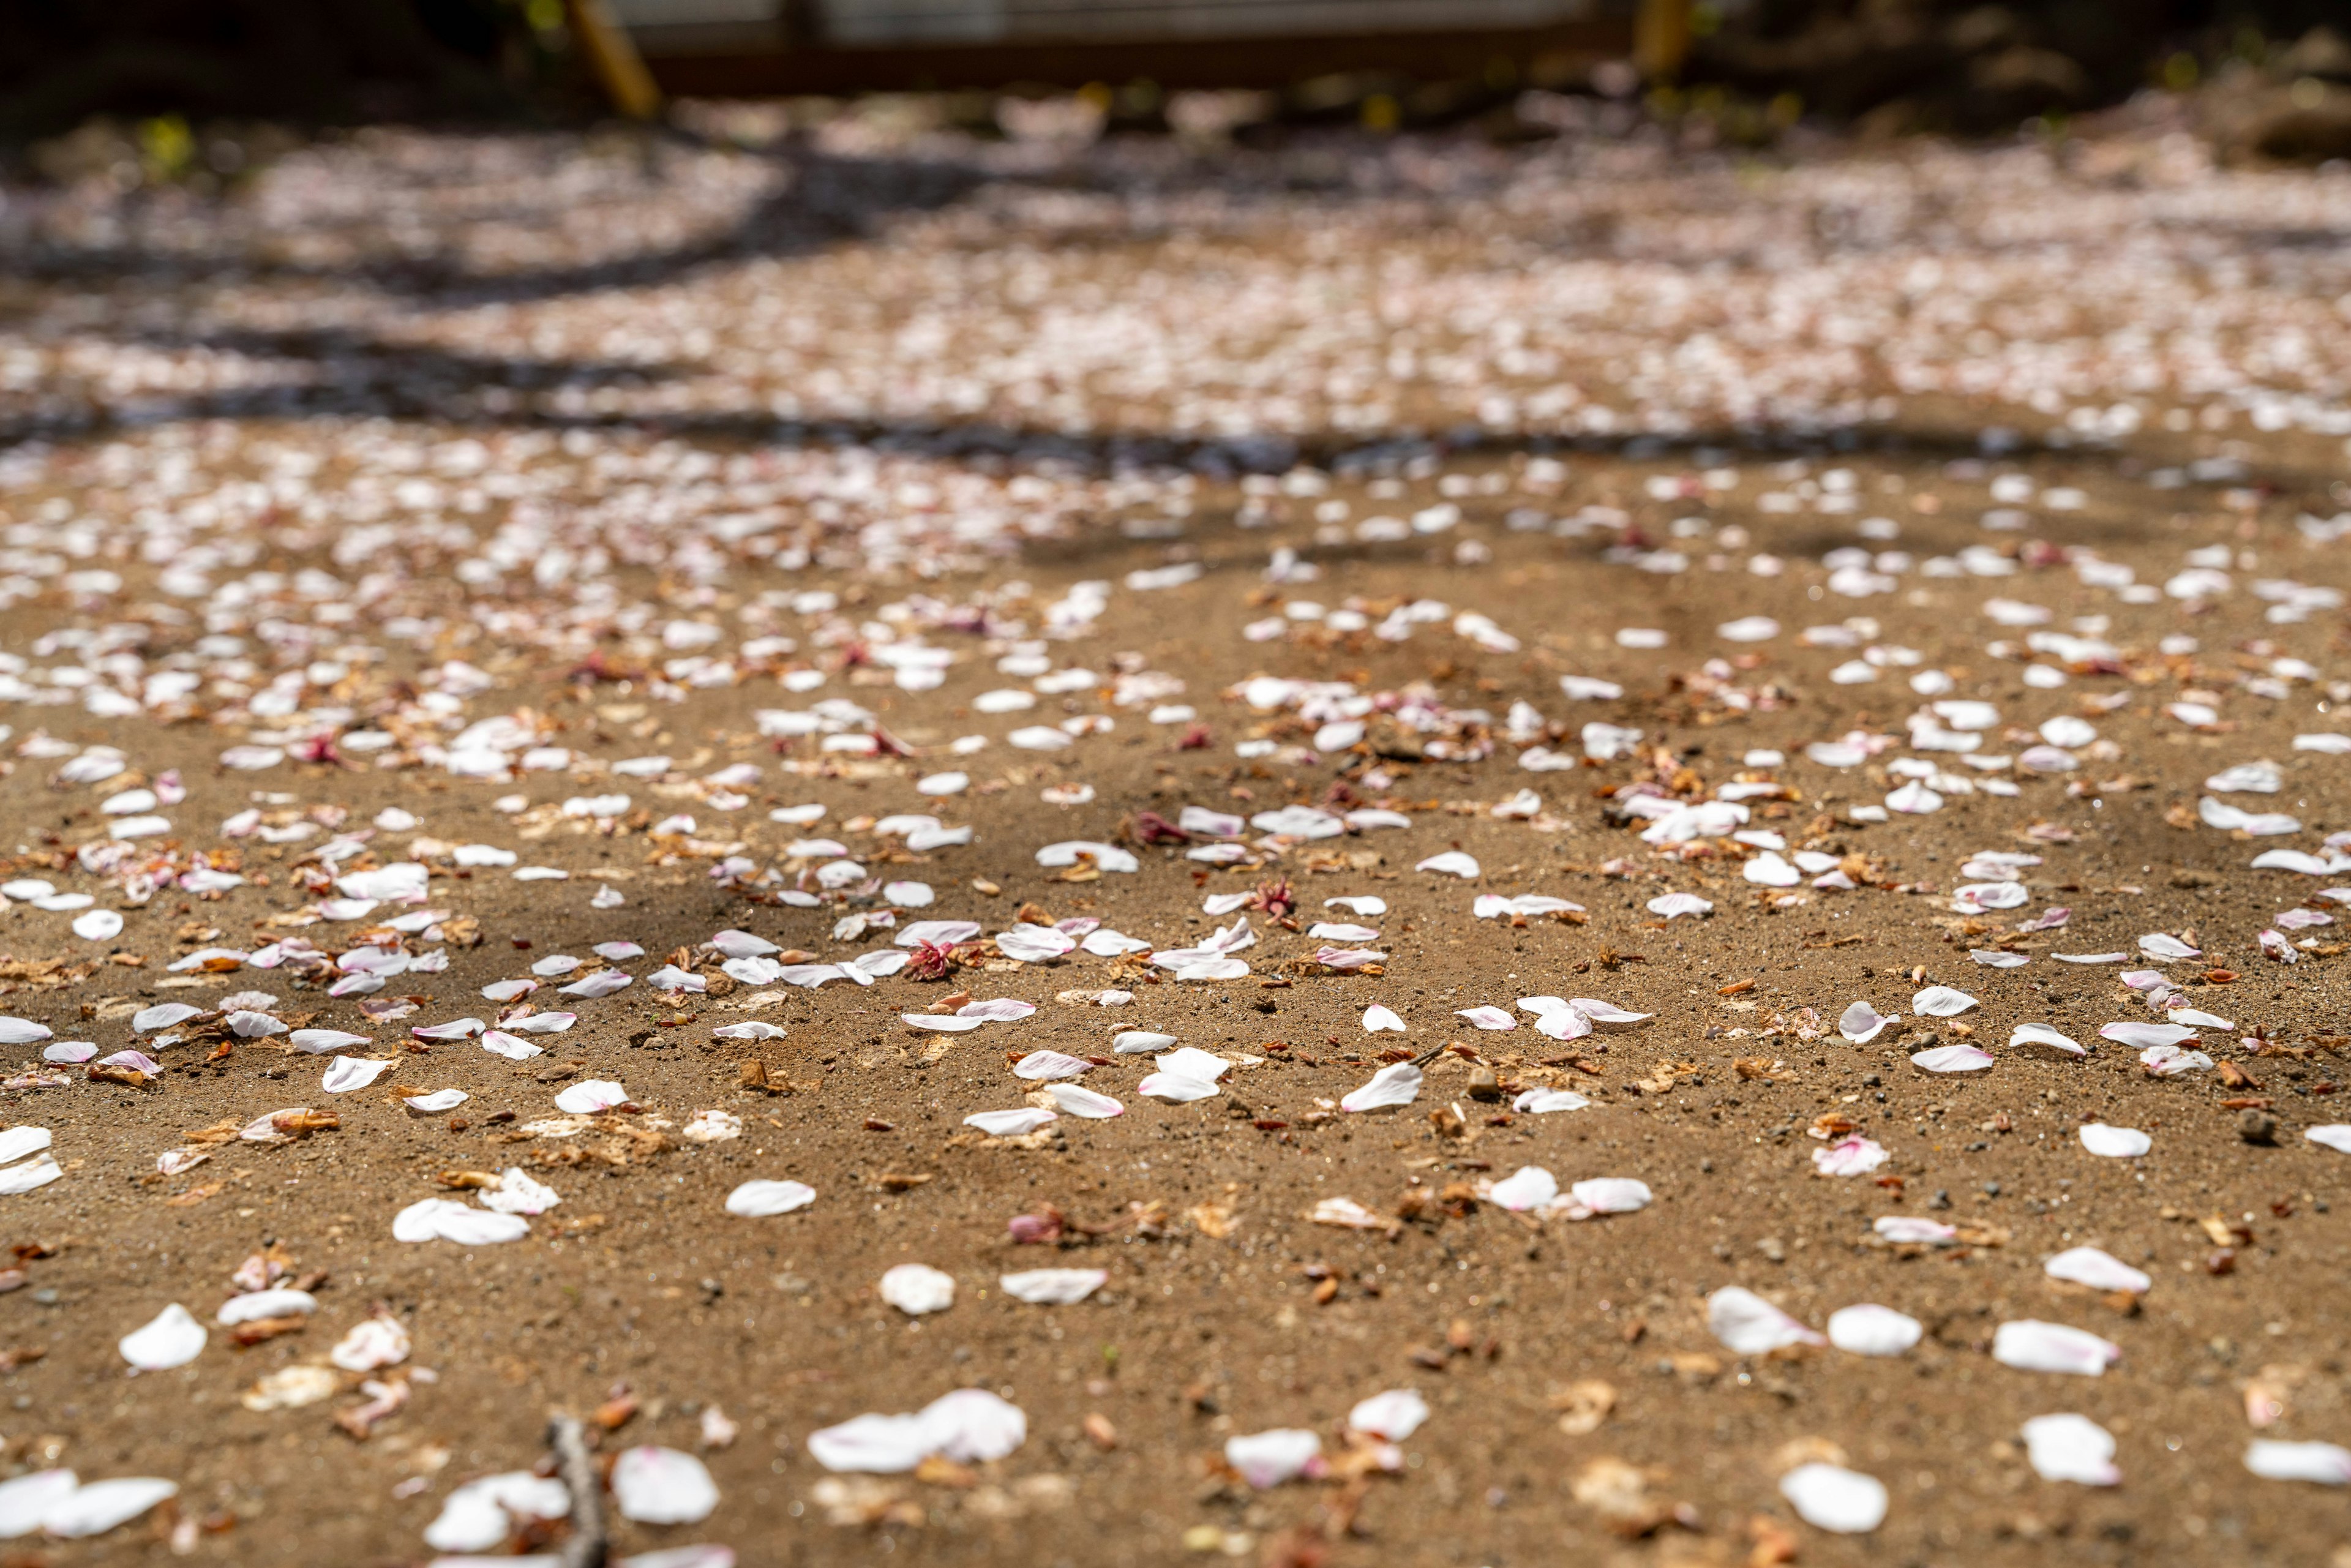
[
  {"x": 1483, "y": 1085},
  {"x": 2257, "y": 1127}
]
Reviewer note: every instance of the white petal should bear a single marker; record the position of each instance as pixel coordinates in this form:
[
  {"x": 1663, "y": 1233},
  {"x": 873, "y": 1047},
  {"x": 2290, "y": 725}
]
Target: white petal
[
  {"x": 2099, "y": 1270},
  {"x": 101, "y": 1505},
  {"x": 2323, "y": 1463},
  {"x": 1951, "y": 1059},
  {"x": 662, "y": 1486},
  {"x": 172, "y": 1338},
  {"x": 346, "y": 1073},
  {"x": 1942, "y": 1002},
  {"x": 26, "y": 1500},
  {"x": 872, "y": 1444},
  {"x": 1041, "y": 1065},
  {"x": 2040, "y": 1034},
  {"x": 2031, "y": 1345},
  {"x": 1543, "y": 1102},
  {"x": 1528, "y": 1187},
  {"x": 591, "y": 1095},
  {"x": 1830, "y": 1498},
  {"x": 2070, "y": 1448},
  {"x": 1747, "y": 1325},
  {"x": 1395, "y": 1415},
  {"x": 256, "y": 1305},
  {"x": 2115, "y": 1143},
  {"x": 1269, "y": 1458},
  {"x": 915, "y": 1289},
  {"x": 1074, "y": 1100},
  {"x": 1011, "y": 1123},
  {"x": 761, "y": 1199},
  {"x": 974, "y": 1426},
  {"x": 1871, "y": 1330},
  {"x": 1053, "y": 1287},
  {"x": 372, "y": 1343},
  {"x": 440, "y": 1219},
  {"x": 1397, "y": 1084}
]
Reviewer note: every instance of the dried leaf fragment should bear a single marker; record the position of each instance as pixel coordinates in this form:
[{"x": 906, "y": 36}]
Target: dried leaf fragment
[{"x": 1584, "y": 1406}]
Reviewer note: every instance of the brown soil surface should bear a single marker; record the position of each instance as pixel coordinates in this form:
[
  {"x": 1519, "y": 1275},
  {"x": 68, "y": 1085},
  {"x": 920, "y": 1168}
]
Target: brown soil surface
[{"x": 320, "y": 352}]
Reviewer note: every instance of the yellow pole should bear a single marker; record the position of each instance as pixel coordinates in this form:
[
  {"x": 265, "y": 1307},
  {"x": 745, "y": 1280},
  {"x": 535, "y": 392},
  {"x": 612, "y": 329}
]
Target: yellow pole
[
  {"x": 1661, "y": 37},
  {"x": 614, "y": 56}
]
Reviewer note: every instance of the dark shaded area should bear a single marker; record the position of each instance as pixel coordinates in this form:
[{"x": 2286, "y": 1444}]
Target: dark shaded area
[
  {"x": 1402, "y": 61},
  {"x": 1960, "y": 65},
  {"x": 1941, "y": 64},
  {"x": 64, "y": 61},
  {"x": 355, "y": 375},
  {"x": 826, "y": 201}
]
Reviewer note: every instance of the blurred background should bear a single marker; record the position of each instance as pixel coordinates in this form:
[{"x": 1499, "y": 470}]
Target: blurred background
[{"x": 197, "y": 93}]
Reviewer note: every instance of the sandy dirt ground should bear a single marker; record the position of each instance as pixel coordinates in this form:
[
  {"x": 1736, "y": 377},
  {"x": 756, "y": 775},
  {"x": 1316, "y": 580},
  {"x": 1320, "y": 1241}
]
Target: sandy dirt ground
[{"x": 449, "y": 564}]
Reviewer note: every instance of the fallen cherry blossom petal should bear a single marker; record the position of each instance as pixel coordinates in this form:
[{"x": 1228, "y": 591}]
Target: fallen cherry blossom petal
[
  {"x": 481, "y": 1514},
  {"x": 25, "y": 1500},
  {"x": 2071, "y": 1447},
  {"x": 1267, "y": 1460},
  {"x": 1075, "y": 1100},
  {"x": 1393, "y": 1085},
  {"x": 2324, "y": 1464},
  {"x": 662, "y": 1486},
  {"x": 974, "y": 1426},
  {"x": 1871, "y": 1330},
  {"x": 591, "y": 1095},
  {"x": 1830, "y": 1498},
  {"x": 101, "y": 1506},
  {"x": 1530, "y": 1187},
  {"x": 1394, "y": 1415},
  {"x": 2031, "y": 1345},
  {"x": 517, "y": 1192},
  {"x": 2099, "y": 1270},
  {"x": 1053, "y": 1287},
  {"x": 2115, "y": 1143},
  {"x": 762, "y": 1200},
  {"x": 172, "y": 1338},
  {"x": 1915, "y": 1230},
  {"x": 370, "y": 1344},
  {"x": 271, "y": 1303},
  {"x": 346, "y": 1073},
  {"x": 441, "y": 1219},
  {"x": 1861, "y": 1023},
  {"x": 1747, "y": 1325},
  {"x": 1038, "y": 1065},
  {"x": 1852, "y": 1156},
  {"x": 1011, "y": 1123},
  {"x": 1452, "y": 863},
  {"x": 2040, "y": 1034},
  {"x": 915, "y": 1289},
  {"x": 1942, "y": 1002},
  {"x": 2146, "y": 1035}
]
